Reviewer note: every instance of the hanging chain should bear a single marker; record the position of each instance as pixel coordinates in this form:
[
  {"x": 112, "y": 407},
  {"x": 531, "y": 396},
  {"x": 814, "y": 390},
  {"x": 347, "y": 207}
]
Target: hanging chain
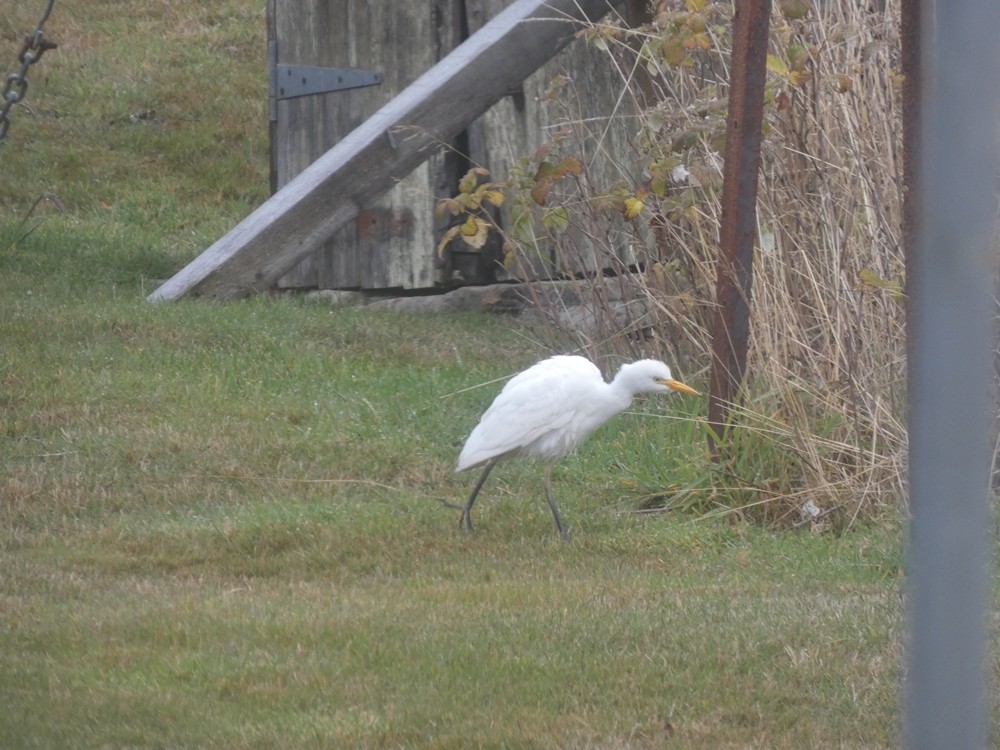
[{"x": 31, "y": 52}]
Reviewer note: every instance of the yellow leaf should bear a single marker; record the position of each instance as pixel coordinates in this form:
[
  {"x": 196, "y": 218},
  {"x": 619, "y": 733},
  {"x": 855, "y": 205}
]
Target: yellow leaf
[
  {"x": 475, "y": 232},
  {"x": 556, "y": 218},
  {"x": 872, "y": 280},
  {"x": 447, "y": 205},
  {"x": 697, "y": 22},
  {"x": 798, "y": 77},
  {"x": 633, "y": 207},
  {"x": 469, "y": 227},
  {"x": 777, "y": 66},
  {"x": 794, "y": 9},
  {"x": 448, "y": 237},
  {"x": 468, "y": 183},
  {"x": 494, "y": 197},
  {"x": 673, "y": 52},
  {"x": 798, "y": 57}
]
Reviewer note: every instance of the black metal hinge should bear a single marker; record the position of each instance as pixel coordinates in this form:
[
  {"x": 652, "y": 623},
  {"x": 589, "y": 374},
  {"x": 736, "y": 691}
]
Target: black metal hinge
[{"x": 291, "y": 81}]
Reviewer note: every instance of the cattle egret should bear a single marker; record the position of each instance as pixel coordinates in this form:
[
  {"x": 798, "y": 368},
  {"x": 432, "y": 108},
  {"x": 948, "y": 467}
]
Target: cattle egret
[{"x": 551, "y": 408}]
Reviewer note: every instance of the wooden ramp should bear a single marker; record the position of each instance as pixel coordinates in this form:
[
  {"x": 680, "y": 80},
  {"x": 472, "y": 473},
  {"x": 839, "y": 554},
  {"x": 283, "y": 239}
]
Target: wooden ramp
[{"x": 335, "y": 188}]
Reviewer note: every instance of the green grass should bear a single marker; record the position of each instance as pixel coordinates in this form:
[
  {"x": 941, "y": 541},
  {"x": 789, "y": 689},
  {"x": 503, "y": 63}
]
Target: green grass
[
  {"x": 149, "y": 116},
  {"x": 474, "y": 645},
  {"x": 222, "y": 526},
  {"x": 226, "y": 525}
]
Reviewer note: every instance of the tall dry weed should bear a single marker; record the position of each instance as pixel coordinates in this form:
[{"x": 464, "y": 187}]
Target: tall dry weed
[{"x": 819, "y": 435}]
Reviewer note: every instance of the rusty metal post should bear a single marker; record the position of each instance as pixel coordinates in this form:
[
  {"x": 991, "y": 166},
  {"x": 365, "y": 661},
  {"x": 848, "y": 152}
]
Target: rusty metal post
[{"x": 731, "y": 326}]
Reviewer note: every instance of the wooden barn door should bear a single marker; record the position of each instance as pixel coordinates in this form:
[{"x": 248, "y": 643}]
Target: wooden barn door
[{"x": 392, "y": 242}]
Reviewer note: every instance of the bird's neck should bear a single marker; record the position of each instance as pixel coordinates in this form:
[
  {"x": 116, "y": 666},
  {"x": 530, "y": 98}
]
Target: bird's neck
[{"x": 619, "y": 394}]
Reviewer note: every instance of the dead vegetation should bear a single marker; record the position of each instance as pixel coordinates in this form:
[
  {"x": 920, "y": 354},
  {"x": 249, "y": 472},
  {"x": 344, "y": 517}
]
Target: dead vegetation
[{"x": 820, "y": 435}]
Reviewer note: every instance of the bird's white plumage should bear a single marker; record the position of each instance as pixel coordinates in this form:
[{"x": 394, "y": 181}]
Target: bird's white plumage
[
  {"x": 549, "y": 409},
  {"x": 553, "y": 406}
]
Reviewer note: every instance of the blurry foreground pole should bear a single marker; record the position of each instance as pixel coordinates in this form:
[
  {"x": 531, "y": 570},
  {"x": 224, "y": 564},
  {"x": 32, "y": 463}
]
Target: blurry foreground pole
[
  {"x": 950, "y": 367},
  {"x": 731, "y": 324}
]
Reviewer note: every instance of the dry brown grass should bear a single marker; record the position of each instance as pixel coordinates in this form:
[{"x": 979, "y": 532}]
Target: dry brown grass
[{"x": 821, "y": 421}]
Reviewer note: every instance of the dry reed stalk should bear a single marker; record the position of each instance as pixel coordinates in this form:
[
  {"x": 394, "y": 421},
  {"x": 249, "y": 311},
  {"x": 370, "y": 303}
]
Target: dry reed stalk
[{"x": 822, "y": 422}]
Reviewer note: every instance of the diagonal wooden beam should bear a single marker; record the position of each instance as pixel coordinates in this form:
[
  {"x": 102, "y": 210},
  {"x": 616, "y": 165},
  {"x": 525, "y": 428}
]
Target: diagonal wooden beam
[{"x": 301, "y": 216}]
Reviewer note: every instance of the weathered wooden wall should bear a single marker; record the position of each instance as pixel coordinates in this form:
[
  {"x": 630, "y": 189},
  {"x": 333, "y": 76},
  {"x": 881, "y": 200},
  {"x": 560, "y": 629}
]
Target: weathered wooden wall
[
  {"x": 390, "y": 244},
  {"x": 393, "y": 243}
]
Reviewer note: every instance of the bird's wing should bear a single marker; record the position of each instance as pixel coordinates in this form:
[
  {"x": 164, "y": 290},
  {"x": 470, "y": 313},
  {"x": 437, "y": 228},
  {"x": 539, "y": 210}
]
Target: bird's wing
[{"x": 543, "y": 399}]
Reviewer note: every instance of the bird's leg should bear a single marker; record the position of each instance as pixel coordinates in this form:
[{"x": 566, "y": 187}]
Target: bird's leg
[
  {"x": 467, "y": 510},
  {"x": 552, "y": 503}
]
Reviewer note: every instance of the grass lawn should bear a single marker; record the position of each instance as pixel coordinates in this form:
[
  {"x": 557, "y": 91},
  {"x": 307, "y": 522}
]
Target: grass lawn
[
  {"x": 222, "y": 526},
  {"x": 229, "y": 525}
]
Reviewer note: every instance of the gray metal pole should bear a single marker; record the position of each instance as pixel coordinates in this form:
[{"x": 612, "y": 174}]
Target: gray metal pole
[{"x": 950, "y": 369}]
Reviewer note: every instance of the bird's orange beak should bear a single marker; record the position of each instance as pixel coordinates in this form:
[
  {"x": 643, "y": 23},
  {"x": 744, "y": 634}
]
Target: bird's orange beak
[{"x": 676, "y": 385}]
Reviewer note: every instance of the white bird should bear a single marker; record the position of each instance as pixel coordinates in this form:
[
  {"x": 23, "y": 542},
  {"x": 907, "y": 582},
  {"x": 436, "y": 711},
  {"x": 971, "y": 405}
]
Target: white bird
[{"x": 552, "y": 407}]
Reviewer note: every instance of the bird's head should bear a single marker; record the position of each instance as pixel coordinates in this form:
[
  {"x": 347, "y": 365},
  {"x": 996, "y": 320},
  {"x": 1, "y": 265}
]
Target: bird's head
[{"x": 652, "y": 376}]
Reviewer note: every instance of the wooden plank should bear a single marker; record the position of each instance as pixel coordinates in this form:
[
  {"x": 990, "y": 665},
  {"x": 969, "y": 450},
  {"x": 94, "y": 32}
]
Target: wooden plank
[
  {"x": 393, "y": 243},
  {"x": 334, "y": 189}
]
